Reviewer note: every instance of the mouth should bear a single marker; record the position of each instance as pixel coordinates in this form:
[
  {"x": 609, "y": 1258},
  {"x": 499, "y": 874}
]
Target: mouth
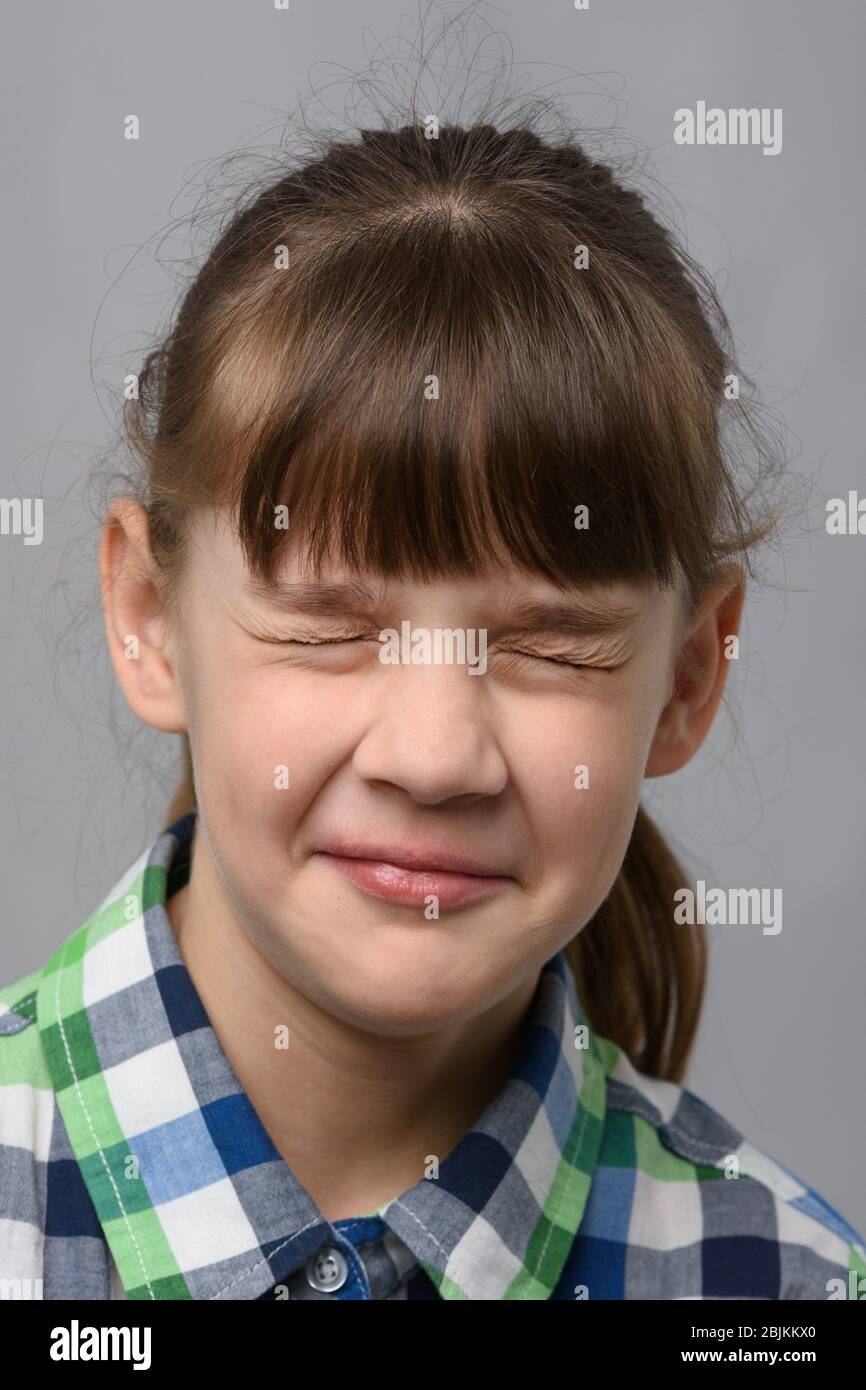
[{"x": 412, "y": 884}]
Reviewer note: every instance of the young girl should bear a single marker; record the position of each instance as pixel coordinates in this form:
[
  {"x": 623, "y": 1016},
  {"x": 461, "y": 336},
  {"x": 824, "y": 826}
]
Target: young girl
[{"x": 436, "y": 556}]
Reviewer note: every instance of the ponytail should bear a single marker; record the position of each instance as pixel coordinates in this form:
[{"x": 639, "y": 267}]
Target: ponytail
[{"x": 640, "y": 977}]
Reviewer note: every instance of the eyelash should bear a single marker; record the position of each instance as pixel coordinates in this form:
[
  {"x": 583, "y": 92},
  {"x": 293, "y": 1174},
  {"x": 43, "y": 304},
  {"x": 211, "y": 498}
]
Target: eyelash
[
  {"x": 553, "y": 660},
  {"x": 509, "y": 651}
]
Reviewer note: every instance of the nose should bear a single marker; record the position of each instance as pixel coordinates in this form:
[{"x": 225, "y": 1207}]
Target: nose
[{"x": 433, "y": 734}]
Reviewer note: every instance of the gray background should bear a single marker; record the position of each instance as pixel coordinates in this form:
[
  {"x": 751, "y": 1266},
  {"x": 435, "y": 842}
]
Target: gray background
[{"x": 776, "y": 796}]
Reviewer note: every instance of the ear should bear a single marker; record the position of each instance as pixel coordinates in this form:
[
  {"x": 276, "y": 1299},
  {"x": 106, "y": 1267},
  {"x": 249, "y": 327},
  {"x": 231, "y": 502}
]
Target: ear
[
  {"x": 700, "y": 670},
  {"x": 136, "y": 619}
]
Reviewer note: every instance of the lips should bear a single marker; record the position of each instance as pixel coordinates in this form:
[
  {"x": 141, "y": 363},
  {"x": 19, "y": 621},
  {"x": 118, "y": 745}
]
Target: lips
[
  {"x": 411, "y": 877},
  {"x": 421, "y": 857}
]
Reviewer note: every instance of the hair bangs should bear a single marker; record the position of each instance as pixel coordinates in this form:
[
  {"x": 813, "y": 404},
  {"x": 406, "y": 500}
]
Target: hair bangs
[{"x": 407, "y": 429}]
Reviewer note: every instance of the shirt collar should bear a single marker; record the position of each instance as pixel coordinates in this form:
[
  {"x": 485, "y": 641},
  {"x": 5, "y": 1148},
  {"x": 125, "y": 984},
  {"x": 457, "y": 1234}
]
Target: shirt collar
[{"x": 192, "y": 1195}]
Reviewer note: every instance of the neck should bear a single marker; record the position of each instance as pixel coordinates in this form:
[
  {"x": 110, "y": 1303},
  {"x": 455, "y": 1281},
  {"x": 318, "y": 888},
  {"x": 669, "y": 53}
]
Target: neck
[{"x": 338, "y": 1091}]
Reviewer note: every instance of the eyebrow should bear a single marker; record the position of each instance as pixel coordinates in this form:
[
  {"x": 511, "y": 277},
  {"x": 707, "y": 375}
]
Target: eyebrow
[
  {"x": 578, "y": 617},
  {"x": 321, "y": 600},
  {"x": 584, "y": 617}
]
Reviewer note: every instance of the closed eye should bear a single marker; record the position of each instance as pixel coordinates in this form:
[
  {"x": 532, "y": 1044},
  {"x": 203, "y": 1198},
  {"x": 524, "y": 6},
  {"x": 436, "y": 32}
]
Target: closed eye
[
  {"x": 555, "y": 660},
  {"x": 367, "y": 637},
  {"x": 322, "y": 641}
]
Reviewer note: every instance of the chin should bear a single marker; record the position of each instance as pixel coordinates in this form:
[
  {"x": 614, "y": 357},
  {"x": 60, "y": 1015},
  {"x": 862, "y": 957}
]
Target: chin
[{"x": 409, "y": 999}]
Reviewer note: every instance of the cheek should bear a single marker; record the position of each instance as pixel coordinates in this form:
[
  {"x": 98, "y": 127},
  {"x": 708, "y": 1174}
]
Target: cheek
[
  {"x": 267, "y": 738},
  {"x": 584, "y": 780}
]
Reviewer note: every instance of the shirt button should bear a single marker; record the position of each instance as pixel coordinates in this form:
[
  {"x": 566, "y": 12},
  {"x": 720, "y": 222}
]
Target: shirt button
[{"x": 327, "y": 1270}]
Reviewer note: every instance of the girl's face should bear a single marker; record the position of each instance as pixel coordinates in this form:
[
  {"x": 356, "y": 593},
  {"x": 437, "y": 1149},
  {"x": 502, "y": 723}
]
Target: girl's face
[{"x": 303, "y": 738}]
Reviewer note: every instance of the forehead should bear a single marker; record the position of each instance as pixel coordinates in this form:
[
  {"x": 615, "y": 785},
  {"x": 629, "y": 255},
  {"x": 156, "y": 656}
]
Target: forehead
[{"x": 505, "y": 591}]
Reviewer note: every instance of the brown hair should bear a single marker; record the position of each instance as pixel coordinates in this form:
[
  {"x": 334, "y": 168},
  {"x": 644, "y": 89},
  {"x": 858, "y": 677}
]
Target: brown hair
[{"x": 295, "y": 373}]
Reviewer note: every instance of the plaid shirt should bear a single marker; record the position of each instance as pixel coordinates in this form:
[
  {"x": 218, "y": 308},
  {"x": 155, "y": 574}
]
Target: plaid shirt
[{"x": 133, "y": 1165}]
